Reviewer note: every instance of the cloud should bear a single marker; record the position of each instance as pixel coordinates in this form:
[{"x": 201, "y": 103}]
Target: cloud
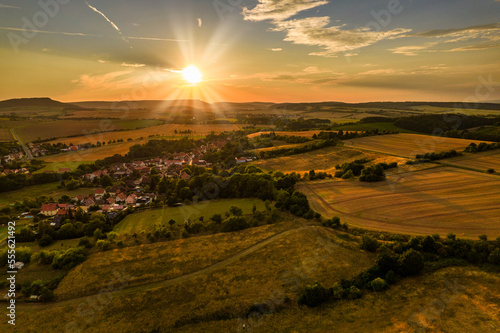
[
  {"x": 133, "y": 65},
  {"x": 50, "y": 32},
  {"x": 456, "y": 32},
  {"x": 412, "y": 50},
  {"x": 475, "y": 47},
  {"x": 102, "y": 61},
  {"x": 277, "y": 49},
  {"x": 314, "y": 31},
  {"x": 7, "y": 6},
  {"x": 279, "y": 10},
  {"x": 107, "y": 19},
  {"x": 200, "y": 22}
]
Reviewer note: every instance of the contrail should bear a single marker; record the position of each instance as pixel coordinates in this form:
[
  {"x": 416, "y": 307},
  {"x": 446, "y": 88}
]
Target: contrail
[{"x": 107, "y": 19}]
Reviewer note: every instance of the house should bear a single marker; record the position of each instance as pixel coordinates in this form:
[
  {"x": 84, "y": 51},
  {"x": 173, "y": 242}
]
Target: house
[
  {"x": 88, "y": 202},
  {"x": 185, "y": 176},
  {"x": 131, "y": 199},
  {"x": 49, "y": 209},
  {"x": 110, "y": 201},
  {"x": 79, "y": 198},
  {"x": 99, "y": 193},
  {"x": 35, "y": 297},
  {"x": 19, "y": 265},
  {"x": 63, "y": 170},
  {"x": 240, "y": 160},
  {"x": 121, "y": 197}
]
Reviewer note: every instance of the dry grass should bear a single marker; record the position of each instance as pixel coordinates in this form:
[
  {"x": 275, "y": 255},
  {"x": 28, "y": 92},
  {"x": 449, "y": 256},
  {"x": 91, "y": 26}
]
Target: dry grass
[
  {"x": 5, "y": 135},
  {"x": 408, "y": 145},
  {"x": 479, "y": 161},
  {"x": 441, "y": 200}
]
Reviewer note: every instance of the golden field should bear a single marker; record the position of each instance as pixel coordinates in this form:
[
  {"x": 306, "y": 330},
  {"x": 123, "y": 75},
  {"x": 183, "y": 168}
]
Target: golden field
[{"x": 439, "y": 200}]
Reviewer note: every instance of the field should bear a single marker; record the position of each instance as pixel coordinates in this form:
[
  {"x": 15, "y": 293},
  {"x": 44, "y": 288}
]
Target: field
[
  {"x": 439, "y": 200},
  {"x": 203, "y": 285},
  {"x": 5, "y": 135},
  {"x": 323, "y": 159},
  {"x": 146, "y": 220},
  {"x": 371, "y": 126},
  {"x": 62, "y": 128},
  {"x": 306, "y": 134},
  {"x": 166, "y": 130},
  {"x": 408, "y": 145},
  {"x": 55, "y": 166},
  {"x": 50, "y": 189},
  {"x": 479, "y": 161}
]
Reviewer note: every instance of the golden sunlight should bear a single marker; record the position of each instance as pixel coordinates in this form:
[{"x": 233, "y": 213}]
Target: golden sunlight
[{"x": 192, "y": 74}]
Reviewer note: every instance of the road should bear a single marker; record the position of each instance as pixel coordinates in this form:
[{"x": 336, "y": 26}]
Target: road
[{"x": 27, "y": 151}]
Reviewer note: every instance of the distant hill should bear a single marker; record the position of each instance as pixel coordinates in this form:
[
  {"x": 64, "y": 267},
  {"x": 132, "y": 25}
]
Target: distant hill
[
  {"x": 155, "y": 105},
  {"x": 42, "y": 102},
  {"x": 390, "y": 105}
]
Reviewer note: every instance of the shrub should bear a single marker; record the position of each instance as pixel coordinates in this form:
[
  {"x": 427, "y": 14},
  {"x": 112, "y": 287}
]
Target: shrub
[
  {"x": 490, "y": 170},
  {"x": 494, "y": 257},
  {"x": 349, "y": 174},
  {"x": 313, "y": 295},
  {"x": 235, "y": 223},
  {"x": 46, "y": 240},
  {"x": 378, "y": 284},
  {"x": 411, "y": 262},
  {"x": 390, "y": 277},
  {"x": 103, "y": 245},
  {"x": 85, "y": 242},
  {"x": 338, "y": 291},
  {"x": 69, "y": 258},
  {"x": 368, "y": 243},
  {"x": 354, "y": 293}
]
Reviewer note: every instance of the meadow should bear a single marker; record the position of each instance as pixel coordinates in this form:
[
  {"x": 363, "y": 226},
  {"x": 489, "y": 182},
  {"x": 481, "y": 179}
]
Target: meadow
[
  {"x": 439, "y": 200},
  {"x": 146, "y": 220},
  {"x": 257, "y": 274},
  {"x": 408, "y": 145}
]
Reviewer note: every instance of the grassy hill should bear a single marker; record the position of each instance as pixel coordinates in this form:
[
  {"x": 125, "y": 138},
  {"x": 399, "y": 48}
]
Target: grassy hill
[{"x": 43, "y": 102}]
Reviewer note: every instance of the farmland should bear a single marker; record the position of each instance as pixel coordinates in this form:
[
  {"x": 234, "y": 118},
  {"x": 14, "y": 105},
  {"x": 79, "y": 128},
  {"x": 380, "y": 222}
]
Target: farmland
[
  {"x": 479, "y": 161},
  {"x": 5, "y": 135},
  {"x": 62, "y": 128},
  {"x": 408, "y": 145},
  {"x": 439, "y": 200},
  {"x": 166, "y": 130},
  {"x": 146, "y": 220}
]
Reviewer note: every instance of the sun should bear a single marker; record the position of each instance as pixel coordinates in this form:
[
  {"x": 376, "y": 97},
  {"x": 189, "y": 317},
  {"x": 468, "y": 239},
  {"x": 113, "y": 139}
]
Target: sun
[{"x": 192, "y": 74}]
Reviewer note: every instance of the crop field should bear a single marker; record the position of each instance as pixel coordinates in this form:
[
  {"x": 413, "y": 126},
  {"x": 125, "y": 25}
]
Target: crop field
[
  {"x": 5, "y": 135},
  {"x": 441, "y": 200},
  {"x": 61, "y": 165},
  {"x": 408, "y": 145},
  {"x": 323, "y": 159},
  {"x": 306, "y": 134},
  {"x": 146, "y": 220},
  {"x": 372, "y": 126},
  {"x": 211, "y": 283},
  {"x": 479, "y": 161},
  {"x": 166, "y": 130},
  {"x": 63, "y": 128}
]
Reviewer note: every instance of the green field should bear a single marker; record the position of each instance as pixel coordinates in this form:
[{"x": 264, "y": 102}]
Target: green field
[
  {"x": 50, "y": 189},
  {"x": 146, "y": 220},
  {"x": 55, "y": 166}
]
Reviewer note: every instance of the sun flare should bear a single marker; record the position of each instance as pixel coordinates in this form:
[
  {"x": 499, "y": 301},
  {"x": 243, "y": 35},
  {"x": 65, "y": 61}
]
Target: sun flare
[{"x": 192, "y": 75}]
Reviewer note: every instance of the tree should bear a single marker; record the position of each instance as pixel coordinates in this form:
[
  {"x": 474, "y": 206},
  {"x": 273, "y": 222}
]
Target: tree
[
  {"x": 236, "y": 211},
  {"x": 235, "y": 223},
  {"x": 171, "y": 222},
  {"x": 411, "y": 262},
  {"x": 313, "y": 295},
  {"x": 494, "y": 257},
  {"x": 378, "y": 284},
  {"x": 106, "y": 181},
  {"x": 217, "y": 218},
  {"x": 368, "y": 243},
  {"x": 46, "y": 240}
]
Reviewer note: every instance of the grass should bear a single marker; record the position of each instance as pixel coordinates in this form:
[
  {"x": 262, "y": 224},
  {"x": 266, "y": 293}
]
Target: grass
[
  {"x": 478, "y": 161},
  {"x": 146, "y": 220},
  {"x": 439, "y": 200},
  {"x": 55, "y": 166},
  {"x": 408, "y": 145},
  {"x": 312, "y": 254},
  {"x": 50, "y": 189},
  {"x": 5, "y": 135}
]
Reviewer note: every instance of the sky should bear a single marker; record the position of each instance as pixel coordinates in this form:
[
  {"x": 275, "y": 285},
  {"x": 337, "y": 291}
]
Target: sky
[{"x": 251, "y": 50}]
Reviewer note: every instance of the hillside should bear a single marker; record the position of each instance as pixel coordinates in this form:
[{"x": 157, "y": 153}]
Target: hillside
[{"x": 43, "y": 102}]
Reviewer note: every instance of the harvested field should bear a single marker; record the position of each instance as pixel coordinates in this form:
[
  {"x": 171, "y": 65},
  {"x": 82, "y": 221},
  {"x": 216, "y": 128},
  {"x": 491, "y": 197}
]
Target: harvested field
[
  {"x": 408, "y": 145},
  {"x": 5, "y": 135},
  {"x": 93, "y": 154},
  {"x": 166, "y": 130},
  {"x": 441, "y": 200},
  {"x": 479, "y": 161},
  {"x": 306, "y": 134}
]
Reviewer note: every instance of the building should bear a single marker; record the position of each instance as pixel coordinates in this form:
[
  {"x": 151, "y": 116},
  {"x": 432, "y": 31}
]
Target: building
[{"x": 49, "y": 209}]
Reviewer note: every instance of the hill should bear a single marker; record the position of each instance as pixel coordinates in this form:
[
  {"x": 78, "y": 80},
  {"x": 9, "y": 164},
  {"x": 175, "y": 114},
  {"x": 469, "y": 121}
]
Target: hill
[
  {"x": 154, "y": 105},
  {"x": 42, "y": 102}
]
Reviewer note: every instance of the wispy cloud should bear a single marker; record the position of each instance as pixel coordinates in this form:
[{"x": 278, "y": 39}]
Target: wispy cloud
[
  {"x": 50, "y": 32},
  {"x": 315, "y": 31},
  {"x": 133, "y": 65},
  {"x": 412, "y": 50},
  {"x": 279, "y": 10},
  {"x": 200, "y": 22},
  {"x": 276, "y": 49},
  {"x": 8, "y": 6},
  {"x": 107, "y": 19}
]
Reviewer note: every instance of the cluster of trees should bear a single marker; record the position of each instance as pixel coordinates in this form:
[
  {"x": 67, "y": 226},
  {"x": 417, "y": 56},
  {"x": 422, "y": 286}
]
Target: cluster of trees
[
  {"x": 399, "y": 259},
  {"x": 437, "y": 124},
  {"x": 357, "y": 168},
  {"x": 16, "y": 181},
  {"x": 302, "y": 124},
  {"x": 8, "y": 147},
  {"x": 349, "y": 170},
  {"x": 487, "y": 133},
  {"x": 437, "y": 156},
  {"x": 483, "y": 146}
]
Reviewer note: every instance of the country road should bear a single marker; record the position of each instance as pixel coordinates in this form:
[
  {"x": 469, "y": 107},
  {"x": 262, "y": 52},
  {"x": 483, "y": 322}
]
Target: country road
[{"x": 27, "y": 151}]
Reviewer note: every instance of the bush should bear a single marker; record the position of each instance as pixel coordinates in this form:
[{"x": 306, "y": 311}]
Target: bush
[
  {"x": 69, "y": 258},
  {"x": 354, "y": 293},
  {"x": 235, "y": 223},
  {"x": 490, "y": 170},
  {"x": 313, "y": 295},
  {"x": 368, "y": 243},
  {"x": 349, "y": 174},
  {"x": 85, "y": 242},
  {"x": 494, "y": 257},
  {"x": 46, "y": 240},
  {"x": 411, "y": 262},
  {"x": 378, "y": 284},
  {"x": 338, "y": 291},
  {"x": 103, "y": 245}
]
